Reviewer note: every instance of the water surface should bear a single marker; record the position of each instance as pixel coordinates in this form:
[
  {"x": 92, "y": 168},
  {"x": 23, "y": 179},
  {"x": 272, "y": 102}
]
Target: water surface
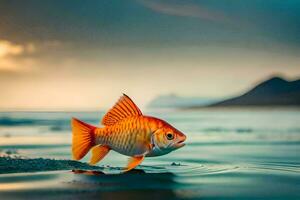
[{"x": 230, "y": 154}]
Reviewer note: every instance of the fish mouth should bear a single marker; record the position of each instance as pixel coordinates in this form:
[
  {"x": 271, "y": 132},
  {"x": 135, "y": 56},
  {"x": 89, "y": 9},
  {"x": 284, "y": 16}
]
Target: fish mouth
[{"x": 180, "y": 144}]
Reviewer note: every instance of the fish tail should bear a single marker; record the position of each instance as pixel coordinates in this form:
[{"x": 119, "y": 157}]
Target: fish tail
[{"x": 83, "y": 138}]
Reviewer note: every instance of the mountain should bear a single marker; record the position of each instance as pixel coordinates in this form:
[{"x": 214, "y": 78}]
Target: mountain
[
  {"x": 272, "y": 92},
  {"x": 175, "y": 101}
]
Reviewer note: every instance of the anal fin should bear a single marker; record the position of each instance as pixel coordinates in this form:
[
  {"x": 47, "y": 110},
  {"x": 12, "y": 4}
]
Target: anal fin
[
  {"x": 133, "y": 162},
  {"x": 98, "y": 153}
]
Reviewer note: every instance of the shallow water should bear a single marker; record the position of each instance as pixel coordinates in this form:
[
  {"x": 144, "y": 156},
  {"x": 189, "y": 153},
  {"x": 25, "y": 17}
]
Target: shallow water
[{"x": 230, "y": 154}]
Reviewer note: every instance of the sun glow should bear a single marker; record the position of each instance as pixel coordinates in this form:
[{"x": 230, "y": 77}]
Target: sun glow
[
  {"x": 7, "y": 48},
  {"x": 15, "y": 57}
]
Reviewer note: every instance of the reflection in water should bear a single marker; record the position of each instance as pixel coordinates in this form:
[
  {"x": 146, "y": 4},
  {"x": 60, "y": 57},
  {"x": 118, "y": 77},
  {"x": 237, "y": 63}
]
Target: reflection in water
[
  {"x": 136, "y": 184},
  {"x": 81, "y": 184}
]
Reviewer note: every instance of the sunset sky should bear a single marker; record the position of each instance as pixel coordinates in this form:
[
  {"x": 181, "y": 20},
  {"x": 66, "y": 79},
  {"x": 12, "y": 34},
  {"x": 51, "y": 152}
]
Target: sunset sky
[{"x": 83, "y": 54}]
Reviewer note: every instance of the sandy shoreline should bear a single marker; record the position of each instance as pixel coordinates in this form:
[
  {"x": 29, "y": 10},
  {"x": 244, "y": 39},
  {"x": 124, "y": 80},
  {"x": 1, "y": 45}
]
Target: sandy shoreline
[{"x": 17, "y": 164}]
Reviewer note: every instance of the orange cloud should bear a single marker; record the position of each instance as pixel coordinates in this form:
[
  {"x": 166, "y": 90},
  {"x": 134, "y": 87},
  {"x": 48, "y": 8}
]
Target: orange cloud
[
  {"x": 9, "y": 53},
  {"x": 8, "y": 48}
]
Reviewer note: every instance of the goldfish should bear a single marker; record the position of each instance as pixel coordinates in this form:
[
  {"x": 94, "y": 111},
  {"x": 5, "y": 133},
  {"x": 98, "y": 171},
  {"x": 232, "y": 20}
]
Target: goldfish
[{"x": 127, "y": 131}]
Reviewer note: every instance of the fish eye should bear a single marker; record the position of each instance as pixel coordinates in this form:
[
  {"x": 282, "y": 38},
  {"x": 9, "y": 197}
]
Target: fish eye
[{"x": 170, "y": 136}]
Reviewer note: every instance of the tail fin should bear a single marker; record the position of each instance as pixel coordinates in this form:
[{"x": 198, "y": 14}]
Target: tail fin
[{"x": 83, "y": 138}]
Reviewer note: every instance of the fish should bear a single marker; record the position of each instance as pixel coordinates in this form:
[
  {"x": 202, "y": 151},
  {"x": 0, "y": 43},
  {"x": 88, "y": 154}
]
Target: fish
[{"x": 127, "y": 131}]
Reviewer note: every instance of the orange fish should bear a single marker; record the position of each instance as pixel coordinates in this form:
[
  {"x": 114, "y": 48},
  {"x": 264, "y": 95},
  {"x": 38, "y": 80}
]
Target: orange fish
[{"x": 127, "y": 131}]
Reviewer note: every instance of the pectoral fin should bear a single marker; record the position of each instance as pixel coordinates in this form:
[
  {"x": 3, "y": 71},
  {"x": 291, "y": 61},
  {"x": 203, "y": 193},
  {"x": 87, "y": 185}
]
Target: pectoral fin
[
  {"x": 133, "y": 162},
  {"x": 98, "y": 153}
]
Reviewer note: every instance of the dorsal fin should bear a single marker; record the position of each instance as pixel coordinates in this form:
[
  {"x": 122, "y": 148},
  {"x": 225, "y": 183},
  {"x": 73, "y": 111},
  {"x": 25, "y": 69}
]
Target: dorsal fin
[{"x": 124, "y": 108}]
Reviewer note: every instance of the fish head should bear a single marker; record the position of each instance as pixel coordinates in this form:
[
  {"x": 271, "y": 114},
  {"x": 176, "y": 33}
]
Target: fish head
[{"x": 166, "y": 139}]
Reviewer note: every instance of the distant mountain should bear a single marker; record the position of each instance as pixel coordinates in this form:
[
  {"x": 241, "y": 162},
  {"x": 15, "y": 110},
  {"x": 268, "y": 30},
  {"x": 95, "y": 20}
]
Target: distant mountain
[
  {"x": 272, "y": 92},
  {"x": 175, "y": 101}
]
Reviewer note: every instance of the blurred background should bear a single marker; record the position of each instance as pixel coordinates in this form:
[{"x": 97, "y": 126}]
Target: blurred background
[
  {"x": 226, "y": 73},
  {"x": 58, "y": 55}
]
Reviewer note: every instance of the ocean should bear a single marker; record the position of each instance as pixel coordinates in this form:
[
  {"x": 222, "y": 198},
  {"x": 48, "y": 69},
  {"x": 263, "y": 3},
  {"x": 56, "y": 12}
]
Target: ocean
[{"x": 240, "y": 153}]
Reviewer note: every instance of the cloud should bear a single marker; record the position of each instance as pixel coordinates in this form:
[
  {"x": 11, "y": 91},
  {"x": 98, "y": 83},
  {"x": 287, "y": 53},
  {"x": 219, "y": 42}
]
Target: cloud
[
  {"x": 185, "y": 10},
  {"x": 15, "y": 57},
  {"x": 8, "y": 48}
]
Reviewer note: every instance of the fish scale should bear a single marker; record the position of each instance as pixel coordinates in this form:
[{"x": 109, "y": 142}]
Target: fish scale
[{"x": 120, "y": 135}]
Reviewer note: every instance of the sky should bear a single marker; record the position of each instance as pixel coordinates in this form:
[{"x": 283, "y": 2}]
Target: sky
[{"x": 83, "y": 54}]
